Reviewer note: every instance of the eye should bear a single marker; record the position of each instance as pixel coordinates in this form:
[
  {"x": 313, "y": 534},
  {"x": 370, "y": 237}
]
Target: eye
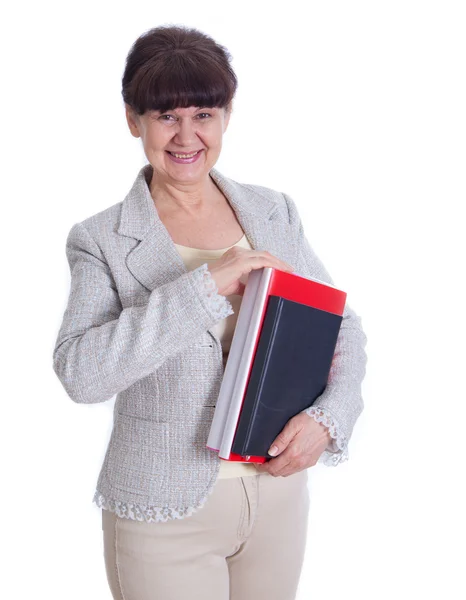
[
  {"x": 162, "y": 117},
  {"x": 200, "y": 114}
]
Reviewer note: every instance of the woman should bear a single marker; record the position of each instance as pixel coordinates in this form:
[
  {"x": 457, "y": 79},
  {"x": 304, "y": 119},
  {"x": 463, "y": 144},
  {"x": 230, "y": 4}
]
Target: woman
[{"x": 156, "y": 285}]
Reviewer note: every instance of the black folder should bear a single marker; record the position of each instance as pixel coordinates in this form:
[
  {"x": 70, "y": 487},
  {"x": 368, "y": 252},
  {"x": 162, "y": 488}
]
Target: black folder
[{"x": 290, "y": 370}]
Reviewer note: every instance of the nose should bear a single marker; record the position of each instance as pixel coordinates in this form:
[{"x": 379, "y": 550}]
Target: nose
[{"x": 186, "y": 132}]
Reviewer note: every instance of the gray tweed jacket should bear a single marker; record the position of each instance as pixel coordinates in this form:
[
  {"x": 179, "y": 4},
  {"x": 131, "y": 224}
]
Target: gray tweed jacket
[{"x": 139, "y": 325}]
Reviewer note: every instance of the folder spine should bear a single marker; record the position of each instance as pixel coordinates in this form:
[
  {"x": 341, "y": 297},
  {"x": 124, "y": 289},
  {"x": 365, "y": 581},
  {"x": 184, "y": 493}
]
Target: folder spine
[{"x": 263, "y": 375}]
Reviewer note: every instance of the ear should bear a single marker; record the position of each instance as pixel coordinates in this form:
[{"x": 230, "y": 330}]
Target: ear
[{"x": 132, "y": 120}]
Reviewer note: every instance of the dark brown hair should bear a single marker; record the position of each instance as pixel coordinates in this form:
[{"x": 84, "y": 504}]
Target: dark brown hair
[{"x": 176, "y": 66}]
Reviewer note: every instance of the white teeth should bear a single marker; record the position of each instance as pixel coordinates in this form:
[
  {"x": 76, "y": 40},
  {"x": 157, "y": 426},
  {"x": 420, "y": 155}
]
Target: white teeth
[{"x": 184, "y": 155}]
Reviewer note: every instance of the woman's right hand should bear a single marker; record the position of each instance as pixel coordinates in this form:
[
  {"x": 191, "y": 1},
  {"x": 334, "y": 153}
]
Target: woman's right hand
[{"x": 236, "y": 262}]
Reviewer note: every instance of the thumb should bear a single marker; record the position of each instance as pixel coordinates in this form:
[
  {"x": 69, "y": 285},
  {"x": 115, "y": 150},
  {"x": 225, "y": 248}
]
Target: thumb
[{"x": 282, "y": 440}]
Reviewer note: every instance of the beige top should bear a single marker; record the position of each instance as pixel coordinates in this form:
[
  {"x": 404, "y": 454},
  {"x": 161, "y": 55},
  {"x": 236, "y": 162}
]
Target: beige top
[{"x": 193, "y": 258}]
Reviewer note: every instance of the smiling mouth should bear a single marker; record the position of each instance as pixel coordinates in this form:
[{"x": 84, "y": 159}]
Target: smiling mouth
[{"x": 184, "y": 155}]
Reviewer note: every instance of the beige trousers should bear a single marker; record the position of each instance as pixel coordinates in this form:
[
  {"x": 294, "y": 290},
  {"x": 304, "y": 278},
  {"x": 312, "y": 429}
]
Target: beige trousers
[{"x": 246, "y": 543}]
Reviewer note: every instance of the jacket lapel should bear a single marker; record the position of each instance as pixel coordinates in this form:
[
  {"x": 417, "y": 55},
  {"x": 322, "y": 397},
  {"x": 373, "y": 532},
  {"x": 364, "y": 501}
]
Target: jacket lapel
[{"x": 155, "y": 260}]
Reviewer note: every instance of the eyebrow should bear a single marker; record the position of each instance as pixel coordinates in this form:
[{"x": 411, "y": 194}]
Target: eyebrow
[{"x": 175, "y": 111}]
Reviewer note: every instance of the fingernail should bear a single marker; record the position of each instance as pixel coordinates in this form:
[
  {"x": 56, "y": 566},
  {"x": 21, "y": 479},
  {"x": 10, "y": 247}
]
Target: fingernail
[{"x": 273, "y": 450}]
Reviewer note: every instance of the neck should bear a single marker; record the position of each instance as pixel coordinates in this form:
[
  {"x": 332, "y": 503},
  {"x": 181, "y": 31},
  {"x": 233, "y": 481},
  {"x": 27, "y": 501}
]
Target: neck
[{"x": 191, "y": 199}]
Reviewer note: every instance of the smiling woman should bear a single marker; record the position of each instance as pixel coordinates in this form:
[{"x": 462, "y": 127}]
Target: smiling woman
[{"x": 156, "y": 287}]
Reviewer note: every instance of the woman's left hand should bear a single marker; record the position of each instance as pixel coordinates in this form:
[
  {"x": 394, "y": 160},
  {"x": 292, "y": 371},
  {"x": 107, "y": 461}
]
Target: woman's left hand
[{"x": 300, "y": 444}]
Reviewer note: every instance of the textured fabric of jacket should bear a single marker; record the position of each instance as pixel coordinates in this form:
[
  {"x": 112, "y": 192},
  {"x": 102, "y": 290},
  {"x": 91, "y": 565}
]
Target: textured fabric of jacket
[{"x": 139, "y": 325}]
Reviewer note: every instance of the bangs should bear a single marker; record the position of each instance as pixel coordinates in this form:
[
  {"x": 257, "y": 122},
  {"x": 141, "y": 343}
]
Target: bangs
[{"x": 181, "y": 80}]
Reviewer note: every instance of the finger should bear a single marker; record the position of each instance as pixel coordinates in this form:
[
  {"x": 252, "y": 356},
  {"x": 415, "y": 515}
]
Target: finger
[
  {"x": 278, "y": 465},
  {"x": 269, "y": 260},
  {"x": 281, "y": 264},
  {"x": 283, "y": 440},
  {"x": 291, "y": 471}
]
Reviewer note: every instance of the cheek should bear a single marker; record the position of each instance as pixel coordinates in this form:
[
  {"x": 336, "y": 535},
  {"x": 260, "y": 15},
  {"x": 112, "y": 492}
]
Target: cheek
[
  {"x": 211, "y": 133},
  {"x": 213, "y": 139},
  {"x": 157, "y": 139}
]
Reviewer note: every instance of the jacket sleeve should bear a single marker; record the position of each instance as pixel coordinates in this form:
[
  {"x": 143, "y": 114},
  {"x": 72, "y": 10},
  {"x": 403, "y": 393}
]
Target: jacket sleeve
[
  {"x": 341, "y": 403},
  {"x": 101, "y": 348}
]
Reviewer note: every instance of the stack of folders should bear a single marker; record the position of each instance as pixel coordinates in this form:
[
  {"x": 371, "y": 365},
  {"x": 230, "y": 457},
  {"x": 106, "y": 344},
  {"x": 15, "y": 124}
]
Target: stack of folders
[{"x": 279, "y": 360}]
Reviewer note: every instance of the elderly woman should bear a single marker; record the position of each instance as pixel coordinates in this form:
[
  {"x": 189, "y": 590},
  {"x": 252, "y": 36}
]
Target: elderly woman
[{"x": 156, "y": 285}]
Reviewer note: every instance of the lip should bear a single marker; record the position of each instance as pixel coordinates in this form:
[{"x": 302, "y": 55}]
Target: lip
[{"x": 185, "y": 161}]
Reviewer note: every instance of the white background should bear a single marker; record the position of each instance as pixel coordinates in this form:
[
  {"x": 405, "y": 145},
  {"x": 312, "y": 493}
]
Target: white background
[{"x": 357, "y": 110}]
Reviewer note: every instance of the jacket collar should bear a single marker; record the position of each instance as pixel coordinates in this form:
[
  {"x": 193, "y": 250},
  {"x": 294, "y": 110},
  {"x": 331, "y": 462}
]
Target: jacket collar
[{"x": 155, "y": 260}]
